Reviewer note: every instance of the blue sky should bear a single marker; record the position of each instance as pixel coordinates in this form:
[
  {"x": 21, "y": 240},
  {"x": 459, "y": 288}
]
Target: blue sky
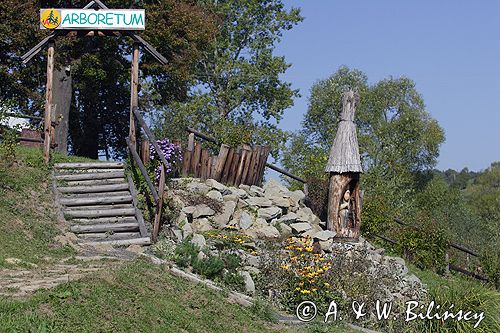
[{"x": 451, "y": 49}]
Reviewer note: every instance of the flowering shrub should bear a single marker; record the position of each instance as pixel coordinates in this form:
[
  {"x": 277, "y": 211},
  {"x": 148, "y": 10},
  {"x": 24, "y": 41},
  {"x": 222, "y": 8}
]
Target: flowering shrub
[{"x": 173, "y": 155}]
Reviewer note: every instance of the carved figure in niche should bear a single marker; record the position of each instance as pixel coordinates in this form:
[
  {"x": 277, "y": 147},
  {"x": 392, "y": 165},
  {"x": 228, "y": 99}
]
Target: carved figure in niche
[{"x": 344, "y": 209}]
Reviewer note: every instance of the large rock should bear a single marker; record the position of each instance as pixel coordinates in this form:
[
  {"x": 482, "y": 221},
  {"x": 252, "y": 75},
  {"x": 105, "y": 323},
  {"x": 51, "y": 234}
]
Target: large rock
[
  {"x": 324, "y": 235},
  {"x": 285, "y": 229},
  {"x": 230, "y": 197},
  {"x": 199, "y": 240},
  {"x": 212, "y": 183},
  {"x": 215, "y": 195},
  {"x": 305, "y": 215},
  {"x": 189, "y": 210},
  {"x": 280, "y": 201},
  {"x": 246, "y": 221},
  {"x": 201, "y": 225},
  {"x": 269, "y": 213},
  {"x": 288, "y": 218},
  {"x": 259, "y": 202},
  {"x": 273, "y": 187},
  {"x": 203, "y": 211},
  {"x": 186, "y": 230},
  {"x": 267, "y": 232},
  {"x": 300, "y": 227},
  {"x": 296, "y": 196},
  {"x": 227, "y": 213},
  {"x": 255, "y": 191},
  {"x": 242, "y": 194},
  {"x": 249, "y": 284},
  {"x": 198, "y": 188}
]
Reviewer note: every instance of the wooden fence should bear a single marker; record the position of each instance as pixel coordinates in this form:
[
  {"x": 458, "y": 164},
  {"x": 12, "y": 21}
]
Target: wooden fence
[{"x": 233, "y": 166}]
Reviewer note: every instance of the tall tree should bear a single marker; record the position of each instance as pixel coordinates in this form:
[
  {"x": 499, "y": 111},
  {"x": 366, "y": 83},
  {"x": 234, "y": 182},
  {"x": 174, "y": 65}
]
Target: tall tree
[
  {"x": 397, "y": 136},
  {"x": 238, "y": 94},
  {"x": 101, "y": 65}
]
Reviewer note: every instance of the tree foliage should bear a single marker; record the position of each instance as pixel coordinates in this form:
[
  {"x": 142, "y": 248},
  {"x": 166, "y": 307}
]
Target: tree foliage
[
  {"x": 101, "y": 65},
  {"x": 397, "y": 136},
  {"x": 238, "y": 94}
]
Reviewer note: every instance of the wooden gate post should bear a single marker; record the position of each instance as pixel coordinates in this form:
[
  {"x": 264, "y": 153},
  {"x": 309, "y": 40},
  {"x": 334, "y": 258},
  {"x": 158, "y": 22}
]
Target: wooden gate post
[
  {"x": 48, "y": 102},
  {"x": 134, "y": 94}
]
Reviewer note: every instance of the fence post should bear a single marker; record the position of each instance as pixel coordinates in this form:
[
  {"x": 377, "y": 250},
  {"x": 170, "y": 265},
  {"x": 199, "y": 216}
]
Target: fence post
[
  {"x": 159, "y": 204},
  {"x": 447, "y": 264}
]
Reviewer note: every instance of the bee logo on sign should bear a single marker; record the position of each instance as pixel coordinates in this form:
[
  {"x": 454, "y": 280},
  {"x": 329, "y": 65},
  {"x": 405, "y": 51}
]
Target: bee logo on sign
[{"x": 50, "y": 18}]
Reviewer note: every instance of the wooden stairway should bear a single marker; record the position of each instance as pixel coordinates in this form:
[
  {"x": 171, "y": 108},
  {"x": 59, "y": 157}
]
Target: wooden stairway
[{"x": 100, "y": 203}]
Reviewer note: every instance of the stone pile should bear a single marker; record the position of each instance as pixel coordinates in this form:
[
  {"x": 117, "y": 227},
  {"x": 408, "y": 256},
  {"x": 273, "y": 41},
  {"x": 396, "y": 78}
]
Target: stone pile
[
  {"x": 271, "y": 211},
  {"x": 274, "y": 212}
]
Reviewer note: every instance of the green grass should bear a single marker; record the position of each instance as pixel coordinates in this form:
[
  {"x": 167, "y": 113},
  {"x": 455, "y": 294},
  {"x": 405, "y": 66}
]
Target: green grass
[
  {"x": 136, "y": 297},
  {"x": 465, "y": 294},
  {"x": 27, "y": 214}
]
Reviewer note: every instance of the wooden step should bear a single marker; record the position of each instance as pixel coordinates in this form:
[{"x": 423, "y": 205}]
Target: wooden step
[
  {"x": 96, "y": 200},
  {"x": 94, "y": 195},
  {"x": 91, "y": 165},
  {"x": 100, "y": 213},
  {"x": 66, "y": 172},
  {"x": 93, "y": 189},
  {"x": 111, "y": 219},
  {"x": 123, "y": 242},
  {"x": 100, "y": 207},
  {"x": 90, "y": 176},
  {"x": 95, "y": 182},
  {"x": 97, "y": 236},
  {"x": 97, "y": 228}
]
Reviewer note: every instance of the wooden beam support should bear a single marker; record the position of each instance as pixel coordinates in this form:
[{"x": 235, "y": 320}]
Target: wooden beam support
[
  {"x": 134, "y": 94},
  {"x": 48, "y": 102}
]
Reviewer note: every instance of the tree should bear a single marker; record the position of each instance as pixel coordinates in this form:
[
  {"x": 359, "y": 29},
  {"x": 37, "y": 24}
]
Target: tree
[
  {"x": 238, "y": 94},
  {"x": 100, "y": 66},
  {"x": 397, "y": 136}
]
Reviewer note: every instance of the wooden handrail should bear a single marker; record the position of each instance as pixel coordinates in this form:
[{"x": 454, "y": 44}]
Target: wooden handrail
[
  {"x": 141, "y": 166},
  {"x": 150, "y": 135}
]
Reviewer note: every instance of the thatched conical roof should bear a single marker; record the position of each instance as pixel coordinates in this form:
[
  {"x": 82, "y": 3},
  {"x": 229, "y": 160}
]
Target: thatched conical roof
[{"x": 344, "y": 155}]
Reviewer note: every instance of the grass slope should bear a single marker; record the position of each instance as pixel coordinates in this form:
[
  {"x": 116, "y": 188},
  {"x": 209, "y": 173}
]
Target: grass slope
[{"x": 136, "y": 297}]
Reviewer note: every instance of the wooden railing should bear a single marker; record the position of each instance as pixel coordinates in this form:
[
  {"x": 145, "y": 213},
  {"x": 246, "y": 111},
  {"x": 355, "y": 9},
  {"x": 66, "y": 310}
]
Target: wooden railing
[
  {"x": 158, "y": 194},
  {"x": 451, "y": 245}
]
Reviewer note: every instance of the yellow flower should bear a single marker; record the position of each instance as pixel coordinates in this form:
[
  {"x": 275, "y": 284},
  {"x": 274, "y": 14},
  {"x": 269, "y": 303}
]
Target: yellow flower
[
  {"x": 314, "y": 289},
  {"x": 326, "y": 284},
  {"x": 285, "y": 266},
  {"x": 305, "y": 291}
]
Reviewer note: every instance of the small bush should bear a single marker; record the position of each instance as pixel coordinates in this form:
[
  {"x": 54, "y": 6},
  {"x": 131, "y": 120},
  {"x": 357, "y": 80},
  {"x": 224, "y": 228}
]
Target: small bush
[
  {"x": 186, "y": 254},
  {"x": 317, "y": 196},
  {"x": 210, "y": 267},
  {"x": 425, "y": 245},
  {"x": 374, "y": 215}
]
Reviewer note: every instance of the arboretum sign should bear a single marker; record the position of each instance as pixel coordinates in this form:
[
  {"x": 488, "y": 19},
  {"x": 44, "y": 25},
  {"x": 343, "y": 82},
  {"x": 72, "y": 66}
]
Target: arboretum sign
[{"x": 90, "y": 19}]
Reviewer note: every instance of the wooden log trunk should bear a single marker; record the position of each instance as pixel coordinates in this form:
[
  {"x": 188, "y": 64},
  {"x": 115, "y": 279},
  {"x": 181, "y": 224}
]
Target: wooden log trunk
[
  {"x": 62, "y": 94},
  {"x": 339, "y": 183},
  {"x": 48, "y": 103}
]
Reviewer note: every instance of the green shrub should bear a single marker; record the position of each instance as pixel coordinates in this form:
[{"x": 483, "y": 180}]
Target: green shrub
[
  {"x": 375, "y": 215},
  {"x": 210, "y": 267},
  {"x": 490, "y": 262},
  {"x": 425, "y": 245},
  {"x": 186, "y": 254},
  {"x": 317, "y": 196}
]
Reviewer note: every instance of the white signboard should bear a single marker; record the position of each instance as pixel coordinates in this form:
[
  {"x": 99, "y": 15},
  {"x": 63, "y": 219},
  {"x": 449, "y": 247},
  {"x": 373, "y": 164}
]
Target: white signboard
[{"x": 90, "y": 19}]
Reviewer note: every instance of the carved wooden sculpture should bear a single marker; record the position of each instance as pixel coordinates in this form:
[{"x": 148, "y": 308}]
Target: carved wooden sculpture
[{"x": 344, "y": 166}]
